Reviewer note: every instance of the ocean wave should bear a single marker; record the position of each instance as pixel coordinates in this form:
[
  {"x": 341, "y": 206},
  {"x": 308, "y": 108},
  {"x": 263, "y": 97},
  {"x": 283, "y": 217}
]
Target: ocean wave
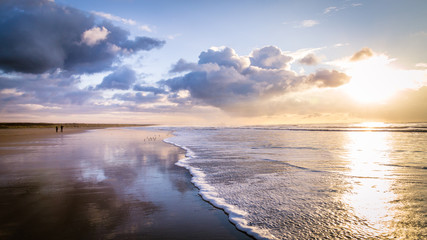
[
  {"x": 209, "y": 194},
  {"x": 294, "y": 185},
  {"x": 406, "y": 166}
]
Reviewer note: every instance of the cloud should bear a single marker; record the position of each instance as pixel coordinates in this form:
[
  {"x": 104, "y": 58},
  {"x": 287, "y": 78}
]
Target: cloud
[
  {"x": 182, "y": 66},
  {"x": 174, "y": 36},
  {"x": 94, "y": 35},
  {"x": 410, "y": 105},
  {"x": 328, "y": 78},
  {"x": 223, "y": 79},
  {"x": 126, "y": 21},
  {"x": 114, "y": 18},
  {"x": 37, "y": 107},
  {"x": 341, "y": 44},
  {"x": 40, "y": 36},
  {"x": 310, "y": 59},
  {"x": 43, "y": 89},
  {"x": 137, "y": 97},
  {"x": 121, "y": 79},
  {"x": 307, "y": 23},
  {"x": 141, "y": 43},
  {"x": 150, "y": 89},
  {"x": 362, "y": 54},
  {"x": 145, "y": 28},
  {"x": 421, "y": 65},
  {"x": 269, "y": 58},
  {"x": 223, "y": 56},
  {"x": 331, "y": 9}
]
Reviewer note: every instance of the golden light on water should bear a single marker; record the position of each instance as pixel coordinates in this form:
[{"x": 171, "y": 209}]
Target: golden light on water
[
  {"x": 370, "y": 125},
  {"x": 370, "y": 196}
]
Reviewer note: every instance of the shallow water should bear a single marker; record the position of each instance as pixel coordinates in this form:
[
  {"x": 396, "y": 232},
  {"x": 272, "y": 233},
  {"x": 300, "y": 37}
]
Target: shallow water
[
  {"x": 103, "y": 184},
  {"x": 299, "y": 182}
]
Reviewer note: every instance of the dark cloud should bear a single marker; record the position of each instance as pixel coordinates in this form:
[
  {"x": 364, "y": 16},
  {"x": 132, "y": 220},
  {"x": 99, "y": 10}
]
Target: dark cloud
[
  {"x": 328, "y": 78},
  {"x": 121, "y": 79},
  {"x": 141, "y": 43},
  {"x": 182, "y": 66},
  {"x": 218, "y": 88},
  {"x": 310, "y": 59},
  {"x": 223, "y": 79},
  {"x": 137, "y": 97},
  {"x": 38, "y": 36},
  {"x": 153, "y": 90},
  {"x": 362, "y": 54},
  {"x": 52, "y": 90}
]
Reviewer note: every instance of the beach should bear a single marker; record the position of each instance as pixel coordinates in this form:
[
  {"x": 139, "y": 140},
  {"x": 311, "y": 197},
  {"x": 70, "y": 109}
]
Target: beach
[{"x": 117, "y": 183}]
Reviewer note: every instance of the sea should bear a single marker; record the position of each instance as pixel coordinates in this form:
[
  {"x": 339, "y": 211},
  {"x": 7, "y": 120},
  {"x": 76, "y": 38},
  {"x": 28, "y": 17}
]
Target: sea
[{"x": 329, "y": 181}]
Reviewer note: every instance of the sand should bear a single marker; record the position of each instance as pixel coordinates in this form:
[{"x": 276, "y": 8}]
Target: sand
[{"x": 100, "y": 184}]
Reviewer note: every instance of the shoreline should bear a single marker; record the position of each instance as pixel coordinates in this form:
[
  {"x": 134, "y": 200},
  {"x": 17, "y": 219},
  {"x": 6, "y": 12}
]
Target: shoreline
[
  {"x": 13, "y": 125},
  {"x": 235, "y": 215},
  {"x": 110, "y": 183}
]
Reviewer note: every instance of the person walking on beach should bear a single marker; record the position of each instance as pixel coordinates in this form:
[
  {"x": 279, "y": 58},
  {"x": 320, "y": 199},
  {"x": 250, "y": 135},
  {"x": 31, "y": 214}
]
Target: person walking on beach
[{"x": 62, "y": 128}]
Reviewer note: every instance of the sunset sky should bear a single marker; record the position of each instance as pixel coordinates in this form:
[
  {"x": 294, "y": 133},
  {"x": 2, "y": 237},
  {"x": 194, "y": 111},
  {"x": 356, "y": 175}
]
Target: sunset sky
[{"x": 213, "y": 62}]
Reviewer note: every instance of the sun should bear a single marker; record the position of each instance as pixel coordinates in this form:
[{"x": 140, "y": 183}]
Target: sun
[{"x": 373, "y": 80}]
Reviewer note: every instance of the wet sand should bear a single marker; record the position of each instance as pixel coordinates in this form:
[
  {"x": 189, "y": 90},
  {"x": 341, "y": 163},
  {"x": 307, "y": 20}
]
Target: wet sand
[{"x": 100, "y": 184}]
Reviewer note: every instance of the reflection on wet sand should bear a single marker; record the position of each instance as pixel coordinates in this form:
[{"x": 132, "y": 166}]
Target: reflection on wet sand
[
  {"x": 82, "y": 211},
  {"x": 104, "y": 184}
]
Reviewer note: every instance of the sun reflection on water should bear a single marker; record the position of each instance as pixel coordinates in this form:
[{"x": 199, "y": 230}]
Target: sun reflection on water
[{"x": 370, "y": 198}]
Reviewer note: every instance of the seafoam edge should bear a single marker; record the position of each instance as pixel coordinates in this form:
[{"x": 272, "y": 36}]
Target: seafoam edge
[{"x": 208, "y": 193}]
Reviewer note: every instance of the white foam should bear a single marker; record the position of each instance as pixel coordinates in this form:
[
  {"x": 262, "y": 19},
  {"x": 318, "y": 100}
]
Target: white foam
[{"x": 209, "y": 193}]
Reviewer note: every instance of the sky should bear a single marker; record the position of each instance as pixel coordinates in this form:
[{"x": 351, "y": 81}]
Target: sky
[{"x": 226, "y": 63}]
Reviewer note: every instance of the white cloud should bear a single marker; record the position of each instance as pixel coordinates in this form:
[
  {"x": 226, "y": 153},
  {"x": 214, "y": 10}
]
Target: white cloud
[
  {"x": 145, "y": 28},
  {"x": 330, "y": 9},
  {"x": 307, "y": 23},
  {"x": 173, "y": 36},
  {"x": 11, "y": 92},
  {"x": 94, "y": 35},
  {"x": 126, "y": 21},
  {"x": 35, "y": 107},
  {"x": 300, "y": 53},
  {"x": 421, "y": 65},
  {"x": 341, "y": 44},
  {"x": 115, "y": 18}
]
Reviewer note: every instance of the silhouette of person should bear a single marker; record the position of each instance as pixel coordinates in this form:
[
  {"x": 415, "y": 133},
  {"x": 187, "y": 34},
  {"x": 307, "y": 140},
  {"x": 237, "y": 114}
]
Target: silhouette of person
[
  {"x": 56, "y": 128},
  {"x": 62, "y": 128}
]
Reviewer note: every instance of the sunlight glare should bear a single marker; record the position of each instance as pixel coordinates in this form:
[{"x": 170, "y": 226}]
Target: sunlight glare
[
  {"x": 372, "y": 125},
  {"x": 373, "y": 80},
  {"x": 371, "y": 195}
]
